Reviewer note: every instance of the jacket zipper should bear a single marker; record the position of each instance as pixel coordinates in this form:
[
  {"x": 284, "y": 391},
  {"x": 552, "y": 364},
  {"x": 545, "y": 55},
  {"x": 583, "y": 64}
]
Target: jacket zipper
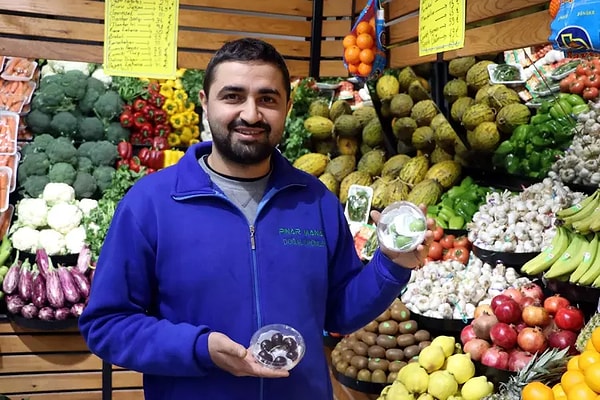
[{"x": 256, "y": 295}]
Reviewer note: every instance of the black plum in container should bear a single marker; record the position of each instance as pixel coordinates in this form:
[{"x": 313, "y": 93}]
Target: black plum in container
[{"x": 277, "y": 346}]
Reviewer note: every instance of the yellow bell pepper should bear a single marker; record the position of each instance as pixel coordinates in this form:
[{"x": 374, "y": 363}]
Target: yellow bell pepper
[
  {"x": 180, "y": 71},
  {"x": 166, "y": 91},
  {"x": 180, "y": 105},
  {"x": 195, "y": 131},
  {"x": 170, "y": 106},
  {"x": 195, "y": 118},
  {"x": 194, "y": 141},
  {"x": 173, "y": 140},
  {"x": 186, "y": 135},
  {"x": 178, "y": 84},
  {"x": 177, "y": 121}
]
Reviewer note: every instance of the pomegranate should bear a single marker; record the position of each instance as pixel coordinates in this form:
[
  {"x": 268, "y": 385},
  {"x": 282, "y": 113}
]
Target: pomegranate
[
  {"x": 533, "y": 290},
  {"x": 508, "y": 311},
  {"x": 495, "y": 357},
  {"x": 483, "y": 324},
  {"x": 532, "y": 340},
  {"x": 476, "y": 347},
  {"x": 467, "y": 333},
  {"x": 480, "y": 309},
  {"x": 570, "y": 318},
  {"x": 520, "y": 326},
  {"x": 514, "y": 294},
  {"x": 550, "y": 328},
  {"x": 518, "y": 359},
  {"x": 503, "y": 335},
  {"x": 561, "y": 339},
  {"x": 535, "y": 316},
  {"x": 497, "y": 300},
  {"x": 528, "y": 301},
  {"x": 553, "y": 303}
]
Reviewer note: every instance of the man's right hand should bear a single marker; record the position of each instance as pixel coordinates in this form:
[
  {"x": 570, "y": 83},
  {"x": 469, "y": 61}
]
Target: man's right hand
[{"x": 236, "y": 359}]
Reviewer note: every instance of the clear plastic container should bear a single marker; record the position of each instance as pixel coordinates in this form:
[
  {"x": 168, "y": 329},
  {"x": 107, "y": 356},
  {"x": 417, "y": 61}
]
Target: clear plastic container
[
  {"x": 11, "y": 77},
  {"x": 492, "y": 67},
  {"x": 13, "y": 164},
  {"x": 402, "y": 226},
  {"x": 5, "y": 177},
  {"x": 9, "y": 129},
  {"x": 277, "y": 346}
]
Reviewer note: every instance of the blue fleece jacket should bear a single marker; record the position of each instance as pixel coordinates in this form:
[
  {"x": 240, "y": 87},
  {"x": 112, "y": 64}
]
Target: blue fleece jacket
[{"x": 181, "y": 261}]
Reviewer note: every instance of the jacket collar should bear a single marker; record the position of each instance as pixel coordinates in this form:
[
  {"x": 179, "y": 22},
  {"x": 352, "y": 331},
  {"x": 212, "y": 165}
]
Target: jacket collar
[{"x": 190, "y": 178}]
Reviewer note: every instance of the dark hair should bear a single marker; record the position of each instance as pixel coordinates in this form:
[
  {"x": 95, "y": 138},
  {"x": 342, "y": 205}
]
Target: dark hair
[{"x": 247, "y": 50}]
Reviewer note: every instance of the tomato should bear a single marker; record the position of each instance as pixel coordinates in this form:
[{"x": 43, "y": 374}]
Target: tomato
[
  {"x": 427, "y": 260},
  {"x": 583, "y": 69},
  {"x": 438, "y": 233},
  {"x": 565, "y": 84},
  {"x": 553, "y": 303},
  {"x": 462, "y": 241},
  {"x": 577, "y": 87},
  {"x": 435, "y": 251},
  {"x": 458, "y": 253},
  {"x": 447, "y": 241},
  {"x": 570, "y": 318},
  {"x": 590, "y": 92},
  {"x": 592, "y": 81}
]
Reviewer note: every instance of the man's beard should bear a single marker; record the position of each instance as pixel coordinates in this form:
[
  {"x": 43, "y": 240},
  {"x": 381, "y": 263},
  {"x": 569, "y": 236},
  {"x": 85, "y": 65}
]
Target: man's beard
[{"x": 238, "y": 151}]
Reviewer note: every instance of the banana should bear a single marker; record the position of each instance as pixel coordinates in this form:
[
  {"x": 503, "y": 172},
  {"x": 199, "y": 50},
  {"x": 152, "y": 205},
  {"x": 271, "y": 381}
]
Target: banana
[
  {"x": 550, "y": 254},
  {"x": 584, "y": 226},
  {"x": 589, "y": 257},
  {"x": 593, "y": 272},
  {"x": 595, "y": 223},
  {"x": 583, "y": 215},
  {"x": 570, "y": 259},
  {"x": 575, "y": 208}
]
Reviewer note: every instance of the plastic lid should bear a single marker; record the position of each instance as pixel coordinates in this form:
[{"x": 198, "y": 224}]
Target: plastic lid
[
  {"x": 277, "y": 346},
  {"x": 402, "y": 226}
]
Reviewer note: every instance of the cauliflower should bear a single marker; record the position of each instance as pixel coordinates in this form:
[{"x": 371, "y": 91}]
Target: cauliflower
[
  {"x": 32, "y": 212},
  {"x": 26, "y": 239},
  {"x": 75, "y": 240},
  {"x": 64, "y": 217},
  {"x": 52, "y": 241},
  {"x": 59, "y": 66},
  {"x": 87, "y": 205},
  {"x": 102, "y": 77},
  {"x": 56, "y": 192}
]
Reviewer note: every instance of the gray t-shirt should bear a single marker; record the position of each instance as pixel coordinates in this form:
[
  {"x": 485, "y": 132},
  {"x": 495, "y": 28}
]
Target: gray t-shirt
[{"x": 246, "y": 194}]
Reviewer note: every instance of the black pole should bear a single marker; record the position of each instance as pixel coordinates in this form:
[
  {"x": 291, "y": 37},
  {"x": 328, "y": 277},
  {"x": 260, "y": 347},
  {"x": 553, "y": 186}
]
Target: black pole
[
  {"x": 106, "y": 381},
  {"x": 315, "y": 39},
  {"x": 440, "y": 78}
]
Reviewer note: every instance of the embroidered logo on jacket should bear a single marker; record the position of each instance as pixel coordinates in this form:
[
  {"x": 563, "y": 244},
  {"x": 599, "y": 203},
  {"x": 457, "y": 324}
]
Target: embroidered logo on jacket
[{"x": 302, "y": 237}]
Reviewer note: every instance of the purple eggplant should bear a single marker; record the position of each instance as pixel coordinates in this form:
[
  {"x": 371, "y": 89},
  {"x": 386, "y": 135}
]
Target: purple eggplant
[
  {"x": 38, "y": 297},
  {"x": 54, "y": 291},
  {"x": 62, "y": 313},
  {"x": 68, "y": 285},
  {"x": 14, "y": 304},
  {"x": 84, "y": 260},
  {"x": 11, "y": 279},
  {"x": 29, "y": 311},
  {"x": 77, "y": 309},
  {"x": 46, "y": 313},
  {"x": 81, "y": 282},
  {"x": 43, "y": 261},
  {"x": 26, "y": 281}
]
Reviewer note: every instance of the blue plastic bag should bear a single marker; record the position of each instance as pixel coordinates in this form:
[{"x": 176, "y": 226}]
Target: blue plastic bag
[{"x": 576, "y": 27}]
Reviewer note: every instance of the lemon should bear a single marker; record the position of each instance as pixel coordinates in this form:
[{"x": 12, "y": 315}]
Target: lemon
[
  {"x": 476, "y": 388},
  {"x": 461, "y": 366},
  {"x": 432, "y": 357},
  {"x": 442, "y": 385}
]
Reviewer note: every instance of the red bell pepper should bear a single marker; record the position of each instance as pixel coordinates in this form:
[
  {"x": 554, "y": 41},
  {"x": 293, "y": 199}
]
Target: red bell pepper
[
  {"x": 157, "y": 159},
  {"x": 136, "y": 138},
  {"x": 134, "y": 164},
  {"x": 148, "y": 112},
  {"x": 149, "y": 170},
  {"x": 144, "y": 155},
  {"x": 124, "y": 149},
  {"x": 126, "y": 119},
  {"x": 160, "y": 143},
  {"x": 162, "y": 130},
  {"x": 160, "y": 117},
  {"x": 157, "y": 100},
  {"x": 120, "y": 163},
  {"x": 147, "y": 130},
  {"x": 139, "y": 119},
  {"x": 153, "y": 87},
  {"x": 139, "y": 104}
]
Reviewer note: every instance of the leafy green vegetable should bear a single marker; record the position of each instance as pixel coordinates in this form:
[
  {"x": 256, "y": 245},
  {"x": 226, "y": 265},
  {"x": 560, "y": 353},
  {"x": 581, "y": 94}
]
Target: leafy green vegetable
[
  {"x": 129, "y": 88},
  {"x": 193, "y": 82}
]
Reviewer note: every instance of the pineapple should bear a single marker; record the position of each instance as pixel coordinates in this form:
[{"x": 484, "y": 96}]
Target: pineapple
[
  {"x": 586, "y": 331},
  {"x": 547, "y": 368}
]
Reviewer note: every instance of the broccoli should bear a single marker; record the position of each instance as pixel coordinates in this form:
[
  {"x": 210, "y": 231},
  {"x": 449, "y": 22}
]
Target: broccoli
[
  {"x": 34, "y": 164},
  {"x": 38, "y": 122},
  {"x": 95, "y": 84},
  {"x": 62, "y": 172},
  {"x": 104, "y": 176},
  {"x": 41, "y": 142},
  {"x": 86, "y": 104},
  {"x": 34, "y": 185},
  {"x": 115, "y": 133},
  {"x": 50, "y": 99},
  {"x": 74, "y": 83},
  {"x": 85, "y": 185},
  {"x": 50, "y": 79},
  {"x": 91, "y": 129},
  {"x": 104, "y": 153},
  {"x": 64, "y": 123},
  {"x": 62, "y": 150},
  {"x": 85, "y": 149},
  {"x": 109, "y": 105},
  {"x": 84, "y": 164}
]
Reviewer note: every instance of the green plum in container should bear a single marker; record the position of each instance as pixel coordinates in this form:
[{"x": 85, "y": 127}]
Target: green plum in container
[{"x": 401, "y": 227}]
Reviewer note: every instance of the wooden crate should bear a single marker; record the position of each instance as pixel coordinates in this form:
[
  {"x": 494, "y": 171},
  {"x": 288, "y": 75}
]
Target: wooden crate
[
  {"x": 491, "y": 27},
  {"x": 57, "y": 366}
]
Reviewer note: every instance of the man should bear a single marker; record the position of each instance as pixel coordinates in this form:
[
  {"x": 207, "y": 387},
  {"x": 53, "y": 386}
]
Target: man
[{"x": 232, "y": 238}]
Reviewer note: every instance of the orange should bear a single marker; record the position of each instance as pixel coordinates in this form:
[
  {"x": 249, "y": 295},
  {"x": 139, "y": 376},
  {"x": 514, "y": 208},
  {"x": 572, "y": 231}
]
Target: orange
[
  {"x": 587, "y": 358},
  {"x": 372, "y": 23},
  {"x": 365, "y": 41},
  {"x": 580, "y": 391},
  {"x": 595, "y": 339},
  {"x": 349, "y": 41},
  {"x": 537, "y": 391},
  {"x": 589, "y": 345},
  {"x": 364, "y": 69},
  {"x": 367, "y": 56},
  {"x": 352, "y": 54},
  {"x": 570, "y": 379},
  {"x": 573, "y": 364},
  {"x": 353, "y": 69},
  {"x": 592, "y": 377},
  {"x": 364, "y": 27}
]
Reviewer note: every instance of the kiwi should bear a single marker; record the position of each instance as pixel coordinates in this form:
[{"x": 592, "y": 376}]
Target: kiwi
[
  {"x": 405, "y": 340},
  {"x": 411, "y": 351},
  {"x": 341, "y": 366},
  {"x": 359, "y": 362},
  {"x": 372, "y": 326},
  {"x": 424, "y": 344},
  {"x": 394, "y": 354},
  {"x": 359, "y": 334},
  {"x": 396, "y": 366},
  {"x": 389, "y": 327},
  {"x": 378, "y": 376},
  {"x": 370, "y": 338},
  {"x": 384, "y": 316},
  {"x": 347, "y": 355},
  {"x": 399, "y": 312},
  {"x": 351, "y": 372},
  {"x": 409, "y": 326},
  {"x": 364, "y": 375},
  {"x": 378, "y": 363},
  {"x": 351, "y": 341},
  {"x": 360, "y": 348},
  {"x": 392, "y": 377},
  {"x": 386, "y": 341},
  {"x": 422, "y": 335},
  {"x": 376, "y": 351}
]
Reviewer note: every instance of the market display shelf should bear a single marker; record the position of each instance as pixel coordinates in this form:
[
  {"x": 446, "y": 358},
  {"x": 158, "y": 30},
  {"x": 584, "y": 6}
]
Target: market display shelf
[
  {"x": 359, "y": 386},
  {"x": 494, "y": 375},
  {"x": 509, "y": 259},
  {"x": 66, "y": 260},
  {"x": 585, "y": 297},
  {"x": 40, "y": 325},
  {"x": 440, "y": 326}
]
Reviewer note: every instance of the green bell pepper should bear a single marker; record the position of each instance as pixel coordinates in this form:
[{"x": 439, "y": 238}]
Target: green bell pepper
[
  {"x": 505, "y": 147},
  {"x": 580, "y": 108},
  {"x": 456, "y": 222},
  {"x": 446, "y": 213},
  {"x": 560, "y": 109},
  {"x": 540, "y": 118},
  {"x": 466, "y": 209},
  {"x": 511, "y": 164},
  {"x": 535, "y": 161},
  {"x": 575, "y": 100},
  {"x": 545, "y": 107},
  {"x": 441, "y": 223},
  {"x": 521, "y": 133}
]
